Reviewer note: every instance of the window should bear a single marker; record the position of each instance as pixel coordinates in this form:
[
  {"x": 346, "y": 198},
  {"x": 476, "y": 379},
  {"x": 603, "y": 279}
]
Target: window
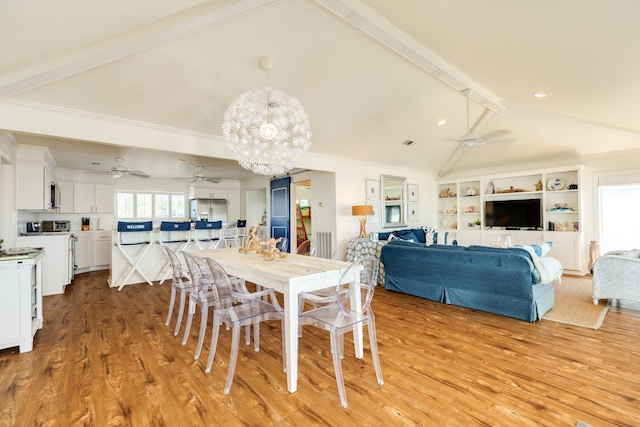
[
  {"x": 620, "y": 205},
  {"x": 150, "y": 205}
]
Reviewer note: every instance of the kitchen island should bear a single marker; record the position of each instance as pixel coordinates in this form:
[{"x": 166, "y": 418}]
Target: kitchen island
[
  {"x": 20, "y": 296},
  {"x": 57, "y": 265}
]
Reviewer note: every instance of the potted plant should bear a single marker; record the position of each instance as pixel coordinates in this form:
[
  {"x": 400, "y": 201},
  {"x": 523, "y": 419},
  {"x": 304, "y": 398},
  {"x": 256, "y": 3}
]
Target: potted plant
[{"x": 478, "y": 223}]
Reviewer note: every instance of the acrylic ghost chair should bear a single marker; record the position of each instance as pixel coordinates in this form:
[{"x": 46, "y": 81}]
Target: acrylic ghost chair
[
  {"x": 308, "y": 247},
  {"x": 283, "y": 244},
  {"x": 202, "y": 295},
  {"x": 350, "y": 309},
  {"x": 317, "y": 298},
  {"x": 178, "y": 283},
  {"x": 250, "y": 311}
]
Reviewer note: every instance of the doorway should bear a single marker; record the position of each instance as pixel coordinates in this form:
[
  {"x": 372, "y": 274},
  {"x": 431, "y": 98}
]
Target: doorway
[{"x": 302, "y": 194}]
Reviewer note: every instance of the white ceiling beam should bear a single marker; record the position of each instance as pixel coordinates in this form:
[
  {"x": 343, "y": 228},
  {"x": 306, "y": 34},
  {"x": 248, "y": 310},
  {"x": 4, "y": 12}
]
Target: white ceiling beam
[
  {"x": 130, "y": 43},
  {"x": 372, "y": 24},
  {"x": 561, "y": 118}
]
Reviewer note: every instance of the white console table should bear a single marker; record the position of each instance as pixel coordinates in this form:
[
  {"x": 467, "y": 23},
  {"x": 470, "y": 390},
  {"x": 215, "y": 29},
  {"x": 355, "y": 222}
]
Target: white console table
[
  {"x": 20, "y": 299},
  {"x": 361, "y": 247}
]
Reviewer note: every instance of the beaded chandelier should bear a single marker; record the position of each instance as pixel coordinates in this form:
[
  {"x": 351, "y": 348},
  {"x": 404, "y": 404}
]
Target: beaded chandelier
[{"x": 266, "y": 130}]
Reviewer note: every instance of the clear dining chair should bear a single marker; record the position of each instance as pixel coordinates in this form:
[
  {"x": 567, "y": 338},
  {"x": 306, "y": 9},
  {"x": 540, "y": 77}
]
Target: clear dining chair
[
  {"x": 342, "y": 315},
  {"x": 178, "y": 283},
  {"x": 250, "y": 311},
  {"x": 308, "y": 247},
  {"x": 283, "y": 244},
  {"x": 203, "y": 296}
]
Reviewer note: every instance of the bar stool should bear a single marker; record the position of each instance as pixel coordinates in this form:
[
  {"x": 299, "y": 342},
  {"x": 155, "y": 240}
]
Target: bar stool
[
  {"x": 134, "y": 234},
  {"x": 207, "y": 234},
  {"x": 176, "y": 236}
]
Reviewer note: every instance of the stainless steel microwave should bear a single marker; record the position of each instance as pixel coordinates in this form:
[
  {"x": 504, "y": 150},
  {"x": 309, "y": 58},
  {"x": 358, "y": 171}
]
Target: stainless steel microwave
[{"x": 56, "y": 226}]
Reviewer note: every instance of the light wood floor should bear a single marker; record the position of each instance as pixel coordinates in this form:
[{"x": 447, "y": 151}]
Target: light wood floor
[{"x": 105, "y": 358}]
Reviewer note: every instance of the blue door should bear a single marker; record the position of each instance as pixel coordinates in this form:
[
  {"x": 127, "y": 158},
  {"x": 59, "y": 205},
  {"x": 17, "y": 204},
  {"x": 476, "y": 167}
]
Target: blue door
[{"x": 280, "y": 208}]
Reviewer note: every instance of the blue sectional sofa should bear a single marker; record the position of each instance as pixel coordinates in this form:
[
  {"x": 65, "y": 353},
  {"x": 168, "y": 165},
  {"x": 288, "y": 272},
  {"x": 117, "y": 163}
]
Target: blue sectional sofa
[{"x": 502, "y": 281}]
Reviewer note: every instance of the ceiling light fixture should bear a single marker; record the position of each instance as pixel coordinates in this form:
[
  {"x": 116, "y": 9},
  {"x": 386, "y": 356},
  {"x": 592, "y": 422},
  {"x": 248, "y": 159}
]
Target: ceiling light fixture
[
  {"x": 539, "y": 95},
  {"x": 266, "y": 130},
  {"x": 441, "y": 122}
]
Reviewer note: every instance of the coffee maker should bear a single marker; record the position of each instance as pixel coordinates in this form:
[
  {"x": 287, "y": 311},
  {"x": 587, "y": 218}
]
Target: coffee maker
[{"x": 33, "y": 227}]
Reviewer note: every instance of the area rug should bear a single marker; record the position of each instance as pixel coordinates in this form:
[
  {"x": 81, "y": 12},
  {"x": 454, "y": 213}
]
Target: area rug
[{"x": 574, "y": 304}]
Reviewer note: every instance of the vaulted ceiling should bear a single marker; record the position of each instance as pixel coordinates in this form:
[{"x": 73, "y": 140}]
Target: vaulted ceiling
[{"x": 371, "y": 74}]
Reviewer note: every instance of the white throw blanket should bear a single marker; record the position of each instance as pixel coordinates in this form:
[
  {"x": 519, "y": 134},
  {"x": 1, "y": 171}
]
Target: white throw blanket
[{"x": 550, "y": 269}]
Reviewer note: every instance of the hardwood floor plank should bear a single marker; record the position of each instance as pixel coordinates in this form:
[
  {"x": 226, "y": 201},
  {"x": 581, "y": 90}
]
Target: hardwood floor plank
[{"x": 105, "y": 358}]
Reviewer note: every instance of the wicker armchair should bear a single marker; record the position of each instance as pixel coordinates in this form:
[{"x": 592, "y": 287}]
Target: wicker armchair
[{"x": 616, "y": 274}]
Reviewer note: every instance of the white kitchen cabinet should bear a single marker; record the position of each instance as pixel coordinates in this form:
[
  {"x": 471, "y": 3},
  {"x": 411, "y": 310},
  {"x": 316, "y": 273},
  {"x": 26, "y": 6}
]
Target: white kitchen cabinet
[
  {"x": 34, "y": 176},
  {"x": 84, "y": 249},
  {"x": 93, "y": 250},
  {"x": 33, "y": 183},
  {"x": 55, "y": 265},
  {"x": 566, "y": 249},
  {"x": 93, "y": 198},
  {"x": 66, "y": 200},
  {"x": 20, "y": 301},
  {"x": 101, "y": 248}
]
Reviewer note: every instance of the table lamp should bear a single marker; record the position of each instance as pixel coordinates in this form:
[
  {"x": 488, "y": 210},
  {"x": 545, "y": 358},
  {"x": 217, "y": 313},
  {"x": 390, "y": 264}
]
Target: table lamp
[{"x": 363, "y": 211}]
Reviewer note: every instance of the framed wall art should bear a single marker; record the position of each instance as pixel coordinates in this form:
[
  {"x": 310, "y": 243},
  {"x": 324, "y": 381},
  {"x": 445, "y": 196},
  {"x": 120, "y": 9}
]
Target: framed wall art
[
  {"x": 376, "y": 212},
  {"x": 372, "y": 189},
  {"x": 413, "y": 213},
  {"x": 412, "y": 192}
]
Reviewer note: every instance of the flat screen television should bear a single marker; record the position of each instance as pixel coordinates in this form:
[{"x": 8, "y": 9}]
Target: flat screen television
[{"x": 514, "y": 214}]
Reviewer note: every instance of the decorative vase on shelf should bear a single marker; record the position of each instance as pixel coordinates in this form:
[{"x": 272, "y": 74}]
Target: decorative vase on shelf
[{"x": 594, "y": 254}]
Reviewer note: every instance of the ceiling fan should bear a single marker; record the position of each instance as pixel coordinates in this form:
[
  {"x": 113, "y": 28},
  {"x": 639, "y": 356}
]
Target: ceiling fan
[
  {"x": 473, "y": 137},
  {"x": 199, "y": 176},
  {"x": 119, "y": 170}
]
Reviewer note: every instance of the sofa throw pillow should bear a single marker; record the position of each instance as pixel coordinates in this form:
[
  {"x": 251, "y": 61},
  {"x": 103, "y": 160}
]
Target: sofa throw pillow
[
  {"x": 383, "y": 236},
  {"x": 407, "y": 235},
  {"x": 542, "y": 249},
  {"x": 430, "y": 238}
]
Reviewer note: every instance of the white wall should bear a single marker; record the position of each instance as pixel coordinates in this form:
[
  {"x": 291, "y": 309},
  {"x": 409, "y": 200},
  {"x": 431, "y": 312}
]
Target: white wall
[{"x": 8, "y": 220}]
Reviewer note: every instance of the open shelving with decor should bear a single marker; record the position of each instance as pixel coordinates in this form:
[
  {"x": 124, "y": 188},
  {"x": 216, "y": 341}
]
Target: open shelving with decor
[{"x": 552, "y": 194}]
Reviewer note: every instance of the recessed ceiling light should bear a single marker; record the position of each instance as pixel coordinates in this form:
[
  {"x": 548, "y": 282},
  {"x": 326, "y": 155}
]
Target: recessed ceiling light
[
  {"x": 441, "y": 122},
  {"x": 180, "y": 160},
  {"x": 407, "y": 142},
  {"x": 539, "y": 95}
]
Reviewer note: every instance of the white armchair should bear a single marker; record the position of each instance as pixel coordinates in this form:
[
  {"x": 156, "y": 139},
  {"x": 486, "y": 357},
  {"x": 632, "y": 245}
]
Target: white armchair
[{"x": 616, "y": 274}]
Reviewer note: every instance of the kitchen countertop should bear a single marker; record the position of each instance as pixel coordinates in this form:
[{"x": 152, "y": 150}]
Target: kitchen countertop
[
  {"x": 46, "y": 233},
  {"x": 19, "y": 253}
]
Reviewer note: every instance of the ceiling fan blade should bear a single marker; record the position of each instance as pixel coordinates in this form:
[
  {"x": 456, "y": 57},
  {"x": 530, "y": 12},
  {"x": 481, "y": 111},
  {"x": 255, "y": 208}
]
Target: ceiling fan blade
[
  {"x": 214, "y": 180},
  {"x": 495, "y": 134},
  {"x": 139, "y": 174},
  {"x": 452, "y": 160}
]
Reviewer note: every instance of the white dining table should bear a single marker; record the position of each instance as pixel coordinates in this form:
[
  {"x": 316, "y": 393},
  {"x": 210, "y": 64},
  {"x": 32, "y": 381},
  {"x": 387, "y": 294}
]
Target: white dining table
[{"x": 289, "y": 276}]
